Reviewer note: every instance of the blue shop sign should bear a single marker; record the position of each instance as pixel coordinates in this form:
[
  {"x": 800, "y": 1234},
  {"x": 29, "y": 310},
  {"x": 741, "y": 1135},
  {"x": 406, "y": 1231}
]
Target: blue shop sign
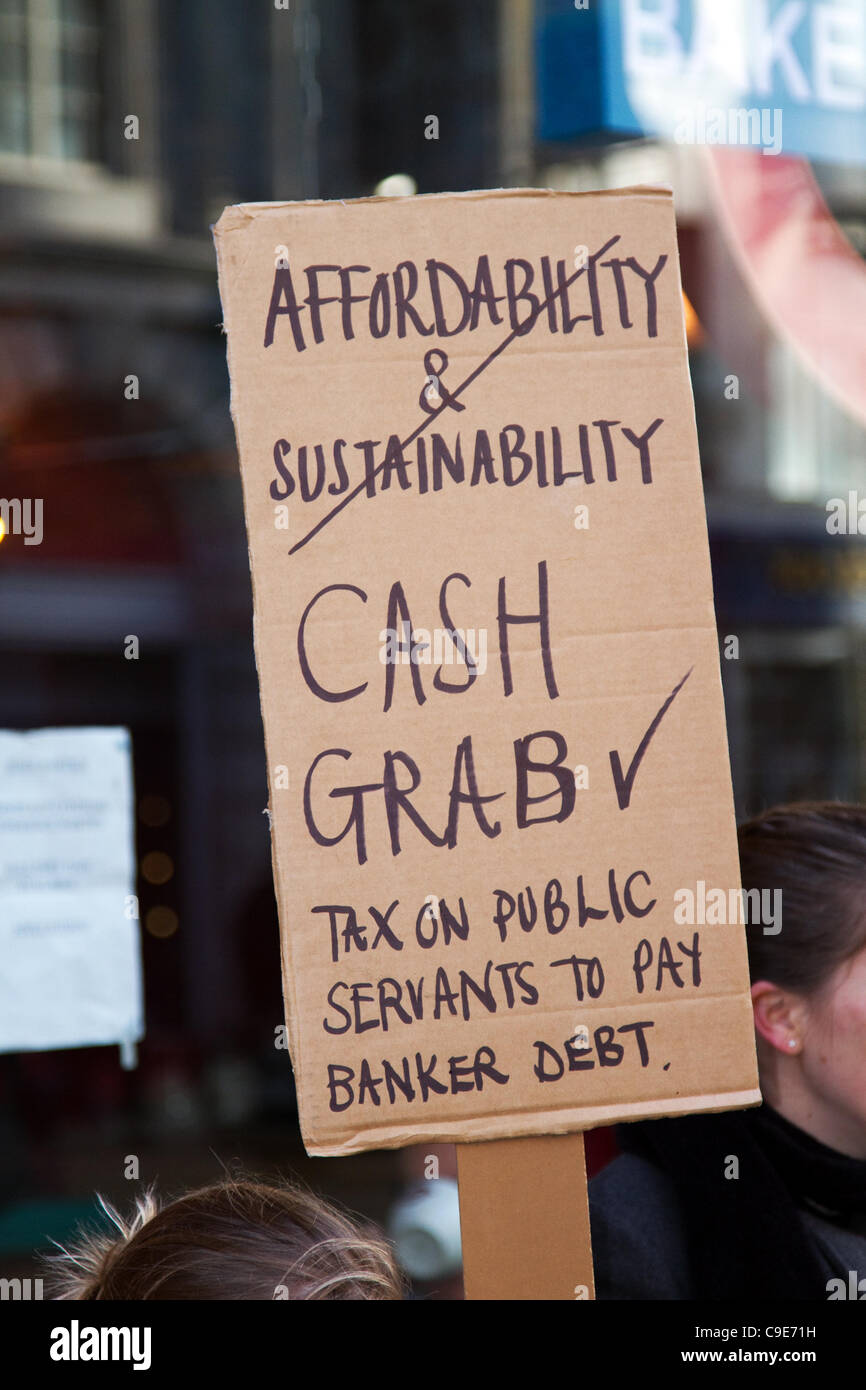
[{"x": 785, "y": 76}]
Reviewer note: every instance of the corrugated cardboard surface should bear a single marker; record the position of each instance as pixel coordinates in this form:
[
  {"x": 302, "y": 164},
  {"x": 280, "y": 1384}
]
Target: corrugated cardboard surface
[
  {"x": 524, "y": 1219},
  {"x": 630, "y": 620}
]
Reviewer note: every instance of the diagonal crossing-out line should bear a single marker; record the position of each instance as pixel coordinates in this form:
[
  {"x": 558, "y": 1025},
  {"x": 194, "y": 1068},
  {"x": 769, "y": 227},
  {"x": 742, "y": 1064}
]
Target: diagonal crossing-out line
[{"x": 520, "y": 332}]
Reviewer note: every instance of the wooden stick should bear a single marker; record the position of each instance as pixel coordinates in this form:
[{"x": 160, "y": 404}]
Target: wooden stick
[{"x": 524, "y": 1218}]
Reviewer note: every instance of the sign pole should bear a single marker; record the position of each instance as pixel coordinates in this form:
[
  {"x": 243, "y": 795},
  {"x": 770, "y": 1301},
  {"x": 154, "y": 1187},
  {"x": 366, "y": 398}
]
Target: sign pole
[{"x": 524, "y": 1218}]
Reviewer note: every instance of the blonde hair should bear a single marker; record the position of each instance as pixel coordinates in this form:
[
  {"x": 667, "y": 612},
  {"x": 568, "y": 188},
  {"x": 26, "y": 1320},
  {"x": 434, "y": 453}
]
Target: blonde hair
[{"x": 237, "y": 1240}]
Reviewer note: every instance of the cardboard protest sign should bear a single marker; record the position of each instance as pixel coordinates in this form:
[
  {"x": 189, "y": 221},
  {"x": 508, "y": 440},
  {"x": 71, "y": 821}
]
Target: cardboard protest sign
[{"x": 488, "y": 664}]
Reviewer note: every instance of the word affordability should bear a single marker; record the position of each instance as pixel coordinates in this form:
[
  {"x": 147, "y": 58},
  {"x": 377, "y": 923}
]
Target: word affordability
[{"x": 436, "y": 298}]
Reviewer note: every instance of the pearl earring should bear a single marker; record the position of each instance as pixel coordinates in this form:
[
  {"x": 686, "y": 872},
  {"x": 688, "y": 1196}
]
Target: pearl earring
[{"x": 792, "y": 1042}]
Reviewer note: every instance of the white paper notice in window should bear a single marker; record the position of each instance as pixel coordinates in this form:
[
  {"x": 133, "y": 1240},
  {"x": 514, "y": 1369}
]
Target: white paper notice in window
[{"x": 70, "y": 956}]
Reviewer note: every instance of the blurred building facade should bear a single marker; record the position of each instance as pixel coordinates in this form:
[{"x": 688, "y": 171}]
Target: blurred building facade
[
  {"x": 771, "y": 250},
  {"x": 125, "y": 128}
]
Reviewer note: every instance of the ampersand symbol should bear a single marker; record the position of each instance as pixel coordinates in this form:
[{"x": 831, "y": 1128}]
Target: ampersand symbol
[{"x": 433, "y": 384}]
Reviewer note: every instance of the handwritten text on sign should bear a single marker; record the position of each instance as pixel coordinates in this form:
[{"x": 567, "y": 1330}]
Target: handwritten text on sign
[{"x": 488, "y": 664}]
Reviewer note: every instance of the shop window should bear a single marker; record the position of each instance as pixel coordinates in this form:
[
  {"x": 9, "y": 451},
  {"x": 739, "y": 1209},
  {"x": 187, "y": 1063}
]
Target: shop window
[{"x": 51, "y": 82}]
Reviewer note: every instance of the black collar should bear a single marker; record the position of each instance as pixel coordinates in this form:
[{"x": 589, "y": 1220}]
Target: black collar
[{"x": 744, "y": 1233}]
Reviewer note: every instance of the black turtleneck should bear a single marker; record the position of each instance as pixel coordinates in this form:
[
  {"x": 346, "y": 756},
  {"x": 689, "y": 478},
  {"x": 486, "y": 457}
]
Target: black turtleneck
[{"x": 745, "y": 1235}]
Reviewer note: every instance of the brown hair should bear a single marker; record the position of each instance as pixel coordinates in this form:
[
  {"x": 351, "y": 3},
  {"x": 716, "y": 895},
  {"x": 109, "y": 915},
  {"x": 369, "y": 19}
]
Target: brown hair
[
  {"x": 815, "y": 852},
  {"x": 237, "y": 1240}
]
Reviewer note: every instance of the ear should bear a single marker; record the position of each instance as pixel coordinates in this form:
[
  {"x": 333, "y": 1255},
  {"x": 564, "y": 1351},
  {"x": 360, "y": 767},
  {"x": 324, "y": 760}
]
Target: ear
[{"x": 778, "y": 1017}]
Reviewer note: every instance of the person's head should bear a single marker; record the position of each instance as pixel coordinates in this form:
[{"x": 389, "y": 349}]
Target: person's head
[
  {"x": 809, "y": 976},
  {"x": 236, "y": 1240}
]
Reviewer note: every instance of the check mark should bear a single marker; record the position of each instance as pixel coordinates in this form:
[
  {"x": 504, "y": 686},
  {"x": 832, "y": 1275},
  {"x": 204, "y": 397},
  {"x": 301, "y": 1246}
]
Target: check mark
[{"x": 624, "y": 784}]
